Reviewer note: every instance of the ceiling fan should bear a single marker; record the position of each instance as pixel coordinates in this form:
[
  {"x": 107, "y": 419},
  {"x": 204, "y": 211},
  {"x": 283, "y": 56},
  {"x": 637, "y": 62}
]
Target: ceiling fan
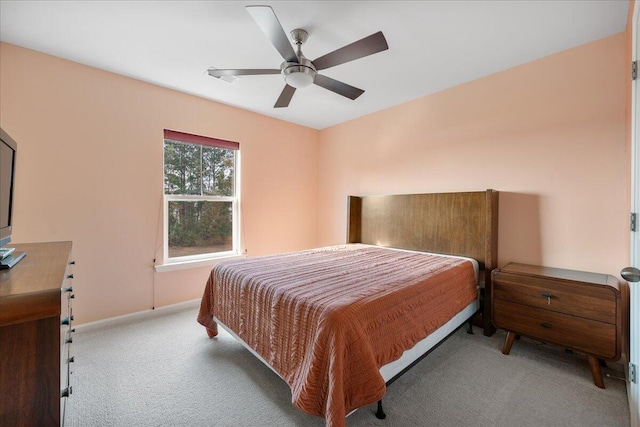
[{"x": 298, "y": 71}]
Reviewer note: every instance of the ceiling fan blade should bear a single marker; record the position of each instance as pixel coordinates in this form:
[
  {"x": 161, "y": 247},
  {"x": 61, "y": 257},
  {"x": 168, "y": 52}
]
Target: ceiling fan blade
[
  {"x": 214, "y": 72},
  {"x": 268, "y": 22},
  {"x": 338, "y": 87},
  {"x": 364, "y": 47},
  {"x": 285, "y": 97}
]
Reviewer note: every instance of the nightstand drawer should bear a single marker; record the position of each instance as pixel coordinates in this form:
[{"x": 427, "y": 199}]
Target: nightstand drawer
[
  {"x": 583, "y": 300},
  {"x": 589, "y": 336}
]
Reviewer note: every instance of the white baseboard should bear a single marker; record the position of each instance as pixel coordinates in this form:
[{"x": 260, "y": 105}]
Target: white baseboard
[{"x": 139, "y": 315}]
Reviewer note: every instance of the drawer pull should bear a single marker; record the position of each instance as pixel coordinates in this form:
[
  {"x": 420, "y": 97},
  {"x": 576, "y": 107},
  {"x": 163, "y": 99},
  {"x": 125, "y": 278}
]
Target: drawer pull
[
  {"x": 66, "y": 392},
  {"x": 71, "y": 359},
  {"x": 69, "y": 340},
  {"x": 546, "y": 325},
  {"x": 69, "y": 289},
  {"x": 548, "y": 296},
  {"x": 67, "y": 320},
  {"x": 70, "y": 276},
  {"x": 72, "y": 262}
]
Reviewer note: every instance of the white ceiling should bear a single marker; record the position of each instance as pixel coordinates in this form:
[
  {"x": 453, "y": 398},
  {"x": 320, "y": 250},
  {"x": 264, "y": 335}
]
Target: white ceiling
[{"x": 433, "y": 45}]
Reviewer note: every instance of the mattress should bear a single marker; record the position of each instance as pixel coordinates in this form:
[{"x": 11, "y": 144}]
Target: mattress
[{"x": 326, "y": 320}]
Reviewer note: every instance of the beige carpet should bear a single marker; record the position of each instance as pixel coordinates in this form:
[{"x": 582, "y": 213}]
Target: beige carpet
[{"x": 161, "y": 370}]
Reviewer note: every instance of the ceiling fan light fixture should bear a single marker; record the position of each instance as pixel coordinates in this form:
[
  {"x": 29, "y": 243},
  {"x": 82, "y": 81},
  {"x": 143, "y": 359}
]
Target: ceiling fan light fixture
[{"x": 299, "y": 76}]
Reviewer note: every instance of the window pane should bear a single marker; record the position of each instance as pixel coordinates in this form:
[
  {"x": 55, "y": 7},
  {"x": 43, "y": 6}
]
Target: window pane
[
  {"x": 217, "y": 171},
  {"x": 182, "y": 168},
  {"x": 200, "y": 227}
]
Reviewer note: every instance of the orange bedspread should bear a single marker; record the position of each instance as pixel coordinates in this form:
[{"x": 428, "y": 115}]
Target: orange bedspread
[{"x": 327, "y": 319}]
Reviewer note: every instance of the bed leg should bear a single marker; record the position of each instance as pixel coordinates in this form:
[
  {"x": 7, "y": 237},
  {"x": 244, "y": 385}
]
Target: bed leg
[
  {"x": 470, "y": 326},
  {"x": 380, "y": 413}
]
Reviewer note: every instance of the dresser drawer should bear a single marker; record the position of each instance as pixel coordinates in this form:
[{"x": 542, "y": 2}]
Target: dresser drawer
[
  {"x": 589, "y": 336},
  {"x": 583, "y": 300}
]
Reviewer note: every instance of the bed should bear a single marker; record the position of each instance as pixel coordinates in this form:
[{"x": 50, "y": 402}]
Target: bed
[{"x": 339, "y": 323}]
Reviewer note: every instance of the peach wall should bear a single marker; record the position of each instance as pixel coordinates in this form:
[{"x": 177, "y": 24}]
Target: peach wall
[
  {"x": 90, "y": 170},
  {"x": 549, "y": 135}
]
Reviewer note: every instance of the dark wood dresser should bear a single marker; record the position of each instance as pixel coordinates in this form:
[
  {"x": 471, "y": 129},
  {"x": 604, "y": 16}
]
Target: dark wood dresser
[
  {"x": 35, "y": 335},
  {"x": 577, "y": 310}
]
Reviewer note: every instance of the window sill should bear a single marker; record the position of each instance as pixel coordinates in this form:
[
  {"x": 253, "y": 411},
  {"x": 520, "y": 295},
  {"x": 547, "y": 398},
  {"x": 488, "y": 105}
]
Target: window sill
[{"x": 197, "y": 263}]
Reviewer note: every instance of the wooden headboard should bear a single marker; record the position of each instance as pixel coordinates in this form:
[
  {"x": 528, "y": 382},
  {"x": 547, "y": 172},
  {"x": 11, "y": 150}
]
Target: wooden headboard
[{"x": 464, "y": 224}]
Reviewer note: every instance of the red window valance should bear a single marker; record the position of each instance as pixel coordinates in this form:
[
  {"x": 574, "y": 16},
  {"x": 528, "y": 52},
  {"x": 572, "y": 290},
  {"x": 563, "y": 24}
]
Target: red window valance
[{"x": 199, "y": 139}]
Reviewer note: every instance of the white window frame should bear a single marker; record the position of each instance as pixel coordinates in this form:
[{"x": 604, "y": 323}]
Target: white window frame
[{"x": 201, "y": 259}]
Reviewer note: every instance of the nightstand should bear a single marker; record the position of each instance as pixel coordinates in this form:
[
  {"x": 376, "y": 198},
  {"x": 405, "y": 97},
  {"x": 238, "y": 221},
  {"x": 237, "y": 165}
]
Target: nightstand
[{"x": 577, "y": 310}]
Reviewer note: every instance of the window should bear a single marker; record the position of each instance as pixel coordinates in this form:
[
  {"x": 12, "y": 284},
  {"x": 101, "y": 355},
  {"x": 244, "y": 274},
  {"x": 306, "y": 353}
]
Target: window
[{"x": 201, "y": 196}]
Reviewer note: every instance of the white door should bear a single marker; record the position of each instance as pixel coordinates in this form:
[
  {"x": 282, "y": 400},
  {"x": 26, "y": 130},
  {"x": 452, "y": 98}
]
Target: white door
[{"x": 633, "y": 276}]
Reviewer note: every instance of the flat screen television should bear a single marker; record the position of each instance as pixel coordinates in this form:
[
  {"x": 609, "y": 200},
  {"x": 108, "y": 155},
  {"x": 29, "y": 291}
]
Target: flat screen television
[{"x": 8, "y": 151}]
